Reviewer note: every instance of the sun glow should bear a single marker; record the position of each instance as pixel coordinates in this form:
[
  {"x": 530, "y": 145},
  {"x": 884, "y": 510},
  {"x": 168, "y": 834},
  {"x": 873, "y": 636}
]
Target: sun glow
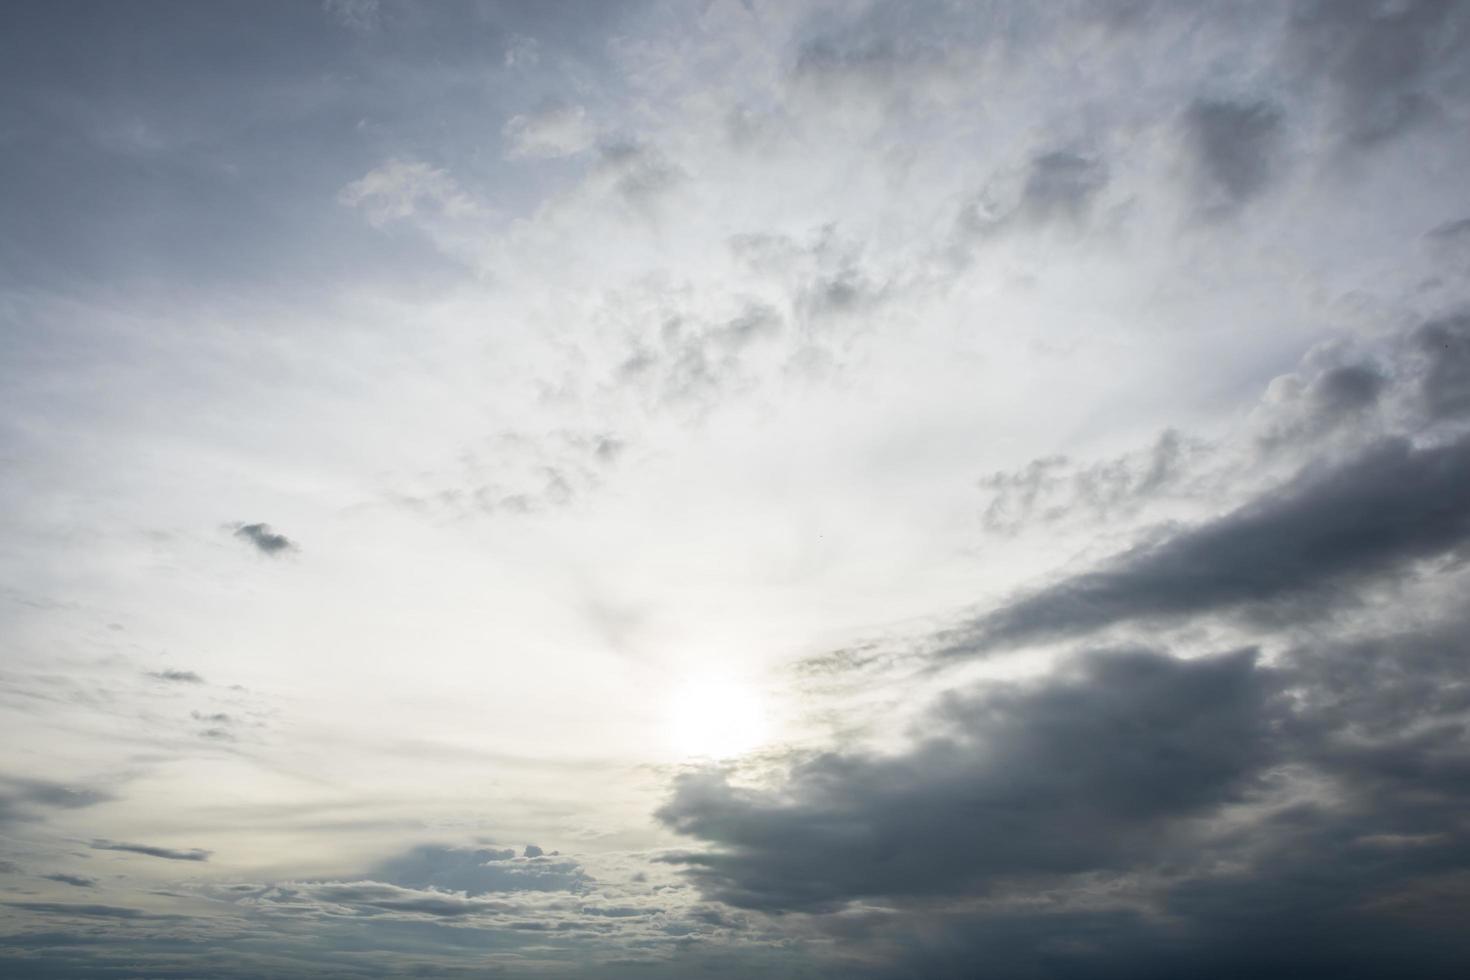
[{"x": 715, "y": 719}]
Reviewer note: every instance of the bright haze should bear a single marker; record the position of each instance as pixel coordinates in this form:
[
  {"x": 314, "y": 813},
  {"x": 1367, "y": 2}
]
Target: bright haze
[{"x": 734, "y": 488}]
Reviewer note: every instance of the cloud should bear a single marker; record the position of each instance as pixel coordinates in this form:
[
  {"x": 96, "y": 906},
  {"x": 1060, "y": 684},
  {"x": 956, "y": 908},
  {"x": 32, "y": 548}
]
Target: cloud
[
  {"x": 404, "y": 189},
  {"x": 76, "y": 880},
  {"x": 371, "y": 897},
  {"x": 1391, "y": 504},
  {"x": 1086, "y": 771},
  {"x": 1057, "y": 188},
  {"x": 90, "y": 911},
  {"x": 1450, "y": 231},
  {"x": 1235, "y": 149},
  {"x": 1351, "y": 388},
  {"x": 477, "y": 871},
  {"x": 1062, "y": 185},
  {"x": 1132, "y": 813},
  {"x": 1050, "y": 489},
  {"x": 637, "y": 172},
  {"x": 1445, "y": 386},
  {"x": 1333, "y": 394},
  {"x": 519, "y": 473},
  {"x": 522, "y": 52},
  {"x": 555, "y": 131},
  {"x": 171, "y": 854},
  {"x": 1382, "y": 62},
  {"x": 27, "y": 799},
  {"x": 176, "y": 676},
  {"x": 268, "y": 541},
  {"x": 359, "y": 15}
]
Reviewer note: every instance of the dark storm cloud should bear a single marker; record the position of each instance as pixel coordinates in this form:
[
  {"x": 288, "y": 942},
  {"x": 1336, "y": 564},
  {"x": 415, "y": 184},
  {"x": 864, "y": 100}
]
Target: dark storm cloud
[
  {"x": 169, "y": 853},
  {"x": 1084, "y": 772},
  {"x": 28, "y": 799},
  {"x": 76, "y": 880},
  {"x": 1234, "y": 147},
  {"x": 1392, "y": 503},
  {"x": 1445, "y": 386},
  {"x": 261, "y": 535}
]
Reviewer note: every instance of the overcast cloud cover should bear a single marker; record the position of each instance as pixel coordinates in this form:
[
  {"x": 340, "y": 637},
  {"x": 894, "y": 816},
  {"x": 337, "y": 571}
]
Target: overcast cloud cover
[{"x": 734, "y": 488}]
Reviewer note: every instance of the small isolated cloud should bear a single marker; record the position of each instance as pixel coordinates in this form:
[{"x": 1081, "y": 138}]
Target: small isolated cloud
[
  {"x": 359, "y": 15},
  {"x": 403, "y": 189},
  {"x": 556, "y": 131},
  {"x": 267, "y": 540},
  {"x": 167, "y": 853},
  {"x": 522, "y": 52},
  {"x": 176, "y": 676}
]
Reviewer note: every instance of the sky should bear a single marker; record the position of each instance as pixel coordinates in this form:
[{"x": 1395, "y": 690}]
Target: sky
[{"x": 784, "y": 488}]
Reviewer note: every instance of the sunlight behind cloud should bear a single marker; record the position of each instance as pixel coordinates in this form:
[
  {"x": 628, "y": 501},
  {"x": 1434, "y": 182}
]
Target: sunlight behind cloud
[{"x": 715, "y": 718}]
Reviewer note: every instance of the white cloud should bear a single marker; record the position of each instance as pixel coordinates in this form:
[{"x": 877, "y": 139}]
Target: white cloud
[
  {"x": 560, "y": 131},
  {"x": 402, "y": 189}
]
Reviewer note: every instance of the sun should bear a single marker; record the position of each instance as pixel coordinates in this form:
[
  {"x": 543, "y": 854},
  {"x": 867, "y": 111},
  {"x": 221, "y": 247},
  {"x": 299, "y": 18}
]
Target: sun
[{"x": 714, "y": 718}]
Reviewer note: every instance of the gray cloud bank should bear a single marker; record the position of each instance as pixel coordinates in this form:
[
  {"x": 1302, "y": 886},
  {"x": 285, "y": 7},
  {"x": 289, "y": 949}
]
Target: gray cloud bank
[
  {"x": 1392, "y": 504},
  {"x": 1134, "y": 814}
]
